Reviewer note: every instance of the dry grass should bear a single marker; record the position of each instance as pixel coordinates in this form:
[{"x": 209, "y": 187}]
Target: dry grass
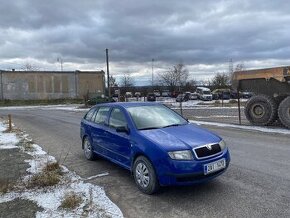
[
  {"x": 48, "y": 177},
  {"x": 5, "y": 186},
  {"x": 71, "y": 201}
]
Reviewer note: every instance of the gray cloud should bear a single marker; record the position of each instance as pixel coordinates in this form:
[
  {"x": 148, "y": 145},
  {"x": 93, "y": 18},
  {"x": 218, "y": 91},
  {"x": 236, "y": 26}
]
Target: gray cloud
[{"x": 194, "y": 32}]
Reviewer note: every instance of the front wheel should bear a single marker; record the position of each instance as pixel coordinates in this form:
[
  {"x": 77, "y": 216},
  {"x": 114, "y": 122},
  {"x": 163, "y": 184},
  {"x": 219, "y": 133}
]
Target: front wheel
[
  {"x": 145, "y": 176},
  {"x": 261, "y": 110}
]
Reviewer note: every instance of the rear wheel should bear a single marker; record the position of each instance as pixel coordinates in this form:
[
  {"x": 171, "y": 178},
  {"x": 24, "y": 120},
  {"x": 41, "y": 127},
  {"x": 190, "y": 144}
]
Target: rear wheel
[
  {"x": 88, "y": 151},
  {"x": 261, "y": 110},
  {"x": 284, "y": 112},
  {"x": 145, "y": 176}
]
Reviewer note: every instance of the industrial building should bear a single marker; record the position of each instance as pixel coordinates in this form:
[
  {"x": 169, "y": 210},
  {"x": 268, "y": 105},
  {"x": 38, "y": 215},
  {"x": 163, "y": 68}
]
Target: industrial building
[{"x": 35, "y": 85}]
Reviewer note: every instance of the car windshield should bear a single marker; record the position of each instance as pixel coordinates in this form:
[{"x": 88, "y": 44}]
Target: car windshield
[
  {"x": 155, "y": 117},
  {"x": 206, "y": 92}
]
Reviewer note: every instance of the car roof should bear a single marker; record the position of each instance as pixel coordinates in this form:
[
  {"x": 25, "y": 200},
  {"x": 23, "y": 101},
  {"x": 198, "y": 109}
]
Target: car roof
[{"x": 128, "y": 104}]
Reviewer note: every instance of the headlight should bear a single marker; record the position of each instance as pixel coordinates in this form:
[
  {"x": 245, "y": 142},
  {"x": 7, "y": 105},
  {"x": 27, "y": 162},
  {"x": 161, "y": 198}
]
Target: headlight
[
  {"x": 222, "y": 144},
  {"x": 180, "y": 155}
]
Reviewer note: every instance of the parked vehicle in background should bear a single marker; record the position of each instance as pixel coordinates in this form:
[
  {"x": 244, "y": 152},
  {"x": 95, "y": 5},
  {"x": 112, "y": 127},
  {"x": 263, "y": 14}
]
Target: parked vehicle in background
[
  {"x": 157, "y": 93},
  {"x": 272, "y": 94},
  {"x": 182, "y": 98},
  {"x": 165, "y": 93},
  {"x": 128, "y": 95},
  {"x": 193, "y": 96},
  {"x": 157, "y": 145},
  {"x": 137, "y": 94},
  {"x": 204, "y": 93},
  {"x": 246, "y": 94},
  {"x": 151, "y": 97},
  {"x": 224, "y": 94}
]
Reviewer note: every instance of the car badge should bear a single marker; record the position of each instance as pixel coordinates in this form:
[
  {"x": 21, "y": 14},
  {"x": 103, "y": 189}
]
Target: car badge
[{"x": 209, "y": 147}]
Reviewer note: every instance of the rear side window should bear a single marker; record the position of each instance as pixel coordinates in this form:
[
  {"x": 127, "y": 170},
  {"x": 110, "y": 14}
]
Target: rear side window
[
  {"x": 90, "y": 114},
  {"x": 102, "y": 115},
  {"x": 117, "y": 118}
]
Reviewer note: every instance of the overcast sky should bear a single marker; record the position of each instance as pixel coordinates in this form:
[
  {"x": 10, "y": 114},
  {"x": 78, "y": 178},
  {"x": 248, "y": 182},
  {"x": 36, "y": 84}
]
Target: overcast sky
[{"x": 203, "y": 35}]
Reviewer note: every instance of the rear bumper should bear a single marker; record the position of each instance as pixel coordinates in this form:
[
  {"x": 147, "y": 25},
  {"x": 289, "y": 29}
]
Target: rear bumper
[{"x": 189, "y": 172}]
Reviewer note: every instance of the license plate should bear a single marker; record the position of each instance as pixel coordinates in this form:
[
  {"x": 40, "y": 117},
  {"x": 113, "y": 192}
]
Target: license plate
[{"x": 214, "y": 166}]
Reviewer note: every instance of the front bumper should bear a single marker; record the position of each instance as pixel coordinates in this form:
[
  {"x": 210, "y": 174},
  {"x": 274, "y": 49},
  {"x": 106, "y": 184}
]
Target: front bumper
[{"x": 176, "y": 172}]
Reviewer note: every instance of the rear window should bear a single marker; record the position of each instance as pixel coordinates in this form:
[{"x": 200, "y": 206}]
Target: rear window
[
  {"x": 90, "y": 114},
  {"x": 102, "y": 115}
]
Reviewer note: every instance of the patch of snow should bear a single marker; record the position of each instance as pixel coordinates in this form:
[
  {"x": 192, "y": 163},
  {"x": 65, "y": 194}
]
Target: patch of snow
[
  {"x": 7, "y": 140},
  {"x": 199, "y": 107},
  {"x": 214, "y": 116},
  {"x": 255, "y": 128},
  {"x": 96, "y": 176},
  {"x": 47, "y": 107},
  {"x": 94, "y": 198},
  {"x": 3, "y": 127}
]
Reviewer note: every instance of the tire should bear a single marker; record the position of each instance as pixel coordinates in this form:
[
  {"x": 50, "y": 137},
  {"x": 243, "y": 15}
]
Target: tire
[
  {"x": 284, "y": 112},
  {"x": 145, "y": 176},
  {"x": 261, "y": 110},
  {"x": 88, "y": 152}
]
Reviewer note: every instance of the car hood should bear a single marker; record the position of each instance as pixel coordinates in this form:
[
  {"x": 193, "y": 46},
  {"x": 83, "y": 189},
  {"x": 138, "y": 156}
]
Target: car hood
[{"x": 180, "y": 137}]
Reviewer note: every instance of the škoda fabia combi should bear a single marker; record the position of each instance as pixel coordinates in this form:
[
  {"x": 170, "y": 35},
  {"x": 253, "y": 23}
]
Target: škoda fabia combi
[{"x": 155, "y": 143}]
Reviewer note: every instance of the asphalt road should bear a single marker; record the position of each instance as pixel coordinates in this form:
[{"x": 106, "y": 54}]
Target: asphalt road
[{"x": 257, "y": 183}]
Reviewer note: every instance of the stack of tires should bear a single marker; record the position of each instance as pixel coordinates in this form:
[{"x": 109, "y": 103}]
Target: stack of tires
[{"x": 264, "y": 110}]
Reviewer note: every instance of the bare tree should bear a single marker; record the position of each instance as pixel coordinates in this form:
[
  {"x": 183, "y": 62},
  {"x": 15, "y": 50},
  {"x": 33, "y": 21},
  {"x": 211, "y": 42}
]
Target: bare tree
[
  {"x": 175, "y": 78},
  {"x": 221, "y": 80},
  {"x": 127, "y": 80},
  {"x": 240, "y": 67},
  {"x": 112, "y": 81},
  {"x": 29, "y": 67}
]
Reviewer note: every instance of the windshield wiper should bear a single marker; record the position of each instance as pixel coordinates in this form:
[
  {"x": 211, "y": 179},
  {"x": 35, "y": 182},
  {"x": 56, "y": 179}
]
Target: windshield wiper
[
  {"x": 147, "y": 128},
  {"x": 176, "y": 124}
]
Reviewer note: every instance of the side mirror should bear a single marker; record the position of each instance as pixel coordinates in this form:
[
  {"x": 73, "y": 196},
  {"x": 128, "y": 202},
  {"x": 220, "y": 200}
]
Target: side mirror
[{"x": 123, "y": 129}]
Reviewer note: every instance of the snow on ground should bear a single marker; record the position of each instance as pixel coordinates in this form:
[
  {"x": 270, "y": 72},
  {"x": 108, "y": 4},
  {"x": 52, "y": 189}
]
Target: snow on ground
[
  {"x": 95, "y": 203},
  {"x": 7, "y": 140},
  {"x": 255, "y": 128}
]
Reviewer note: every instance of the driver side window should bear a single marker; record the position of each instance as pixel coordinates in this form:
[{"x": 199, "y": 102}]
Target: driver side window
[{"x": 117, "y": 118}]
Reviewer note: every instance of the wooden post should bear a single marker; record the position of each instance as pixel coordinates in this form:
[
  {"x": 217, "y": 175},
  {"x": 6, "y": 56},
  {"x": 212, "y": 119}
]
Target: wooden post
[
  {"x": 9, "y": 123},
  {"x": 239, "y": 106}
]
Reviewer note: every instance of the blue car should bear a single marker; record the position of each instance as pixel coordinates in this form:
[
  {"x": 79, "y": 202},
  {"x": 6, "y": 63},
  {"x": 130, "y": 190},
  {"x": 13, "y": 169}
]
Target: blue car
[{"x": 155, "y": 143}]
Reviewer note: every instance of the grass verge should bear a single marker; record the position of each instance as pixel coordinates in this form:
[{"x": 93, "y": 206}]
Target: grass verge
[
  {"x": 50, "y": 176},
  {"x": 71, "y": 201}
]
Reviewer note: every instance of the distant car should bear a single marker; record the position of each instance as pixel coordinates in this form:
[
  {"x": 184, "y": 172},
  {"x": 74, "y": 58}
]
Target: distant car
[
  {"x": 128, "y": 95},
  {"x": 137, "y": 94},
  {"x": 157, "y": 145},
  {"x": 157, "y": 93},
  {"x": 193, "y": 96},
  {"x": 204, "y": 93},
  {"x": 246, "y": 94},
  {"x": 182, "y": 98},
  {"x": 151, "y": 97},
  {"x": 223, "y": 94},
  {"x": 165, "y": 93}
]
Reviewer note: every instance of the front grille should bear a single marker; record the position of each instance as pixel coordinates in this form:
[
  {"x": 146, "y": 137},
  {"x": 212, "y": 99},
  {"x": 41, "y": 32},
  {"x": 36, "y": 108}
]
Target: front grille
[{"x": 204, "y": 151}]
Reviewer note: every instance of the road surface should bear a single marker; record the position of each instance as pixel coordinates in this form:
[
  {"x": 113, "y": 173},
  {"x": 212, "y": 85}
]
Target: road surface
[{"x": 257, "y": 183}]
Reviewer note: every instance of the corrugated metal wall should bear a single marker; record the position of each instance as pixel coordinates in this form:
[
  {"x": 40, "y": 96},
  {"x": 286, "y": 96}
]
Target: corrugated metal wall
[{"x": 25, "y": 85}]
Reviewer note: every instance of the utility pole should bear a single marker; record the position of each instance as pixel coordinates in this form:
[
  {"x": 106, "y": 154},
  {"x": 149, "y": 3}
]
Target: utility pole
[
  {"x": 108, "y": 73},
  {"x": 152, "y": 72},
  {"x": 60, "y": 61}
]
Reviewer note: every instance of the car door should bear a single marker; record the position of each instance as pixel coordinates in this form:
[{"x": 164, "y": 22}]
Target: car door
[
  {"x": 98, "y": 130},
  {"x": 87, "y": 122},
  {"x": 120, "y": 144}
]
